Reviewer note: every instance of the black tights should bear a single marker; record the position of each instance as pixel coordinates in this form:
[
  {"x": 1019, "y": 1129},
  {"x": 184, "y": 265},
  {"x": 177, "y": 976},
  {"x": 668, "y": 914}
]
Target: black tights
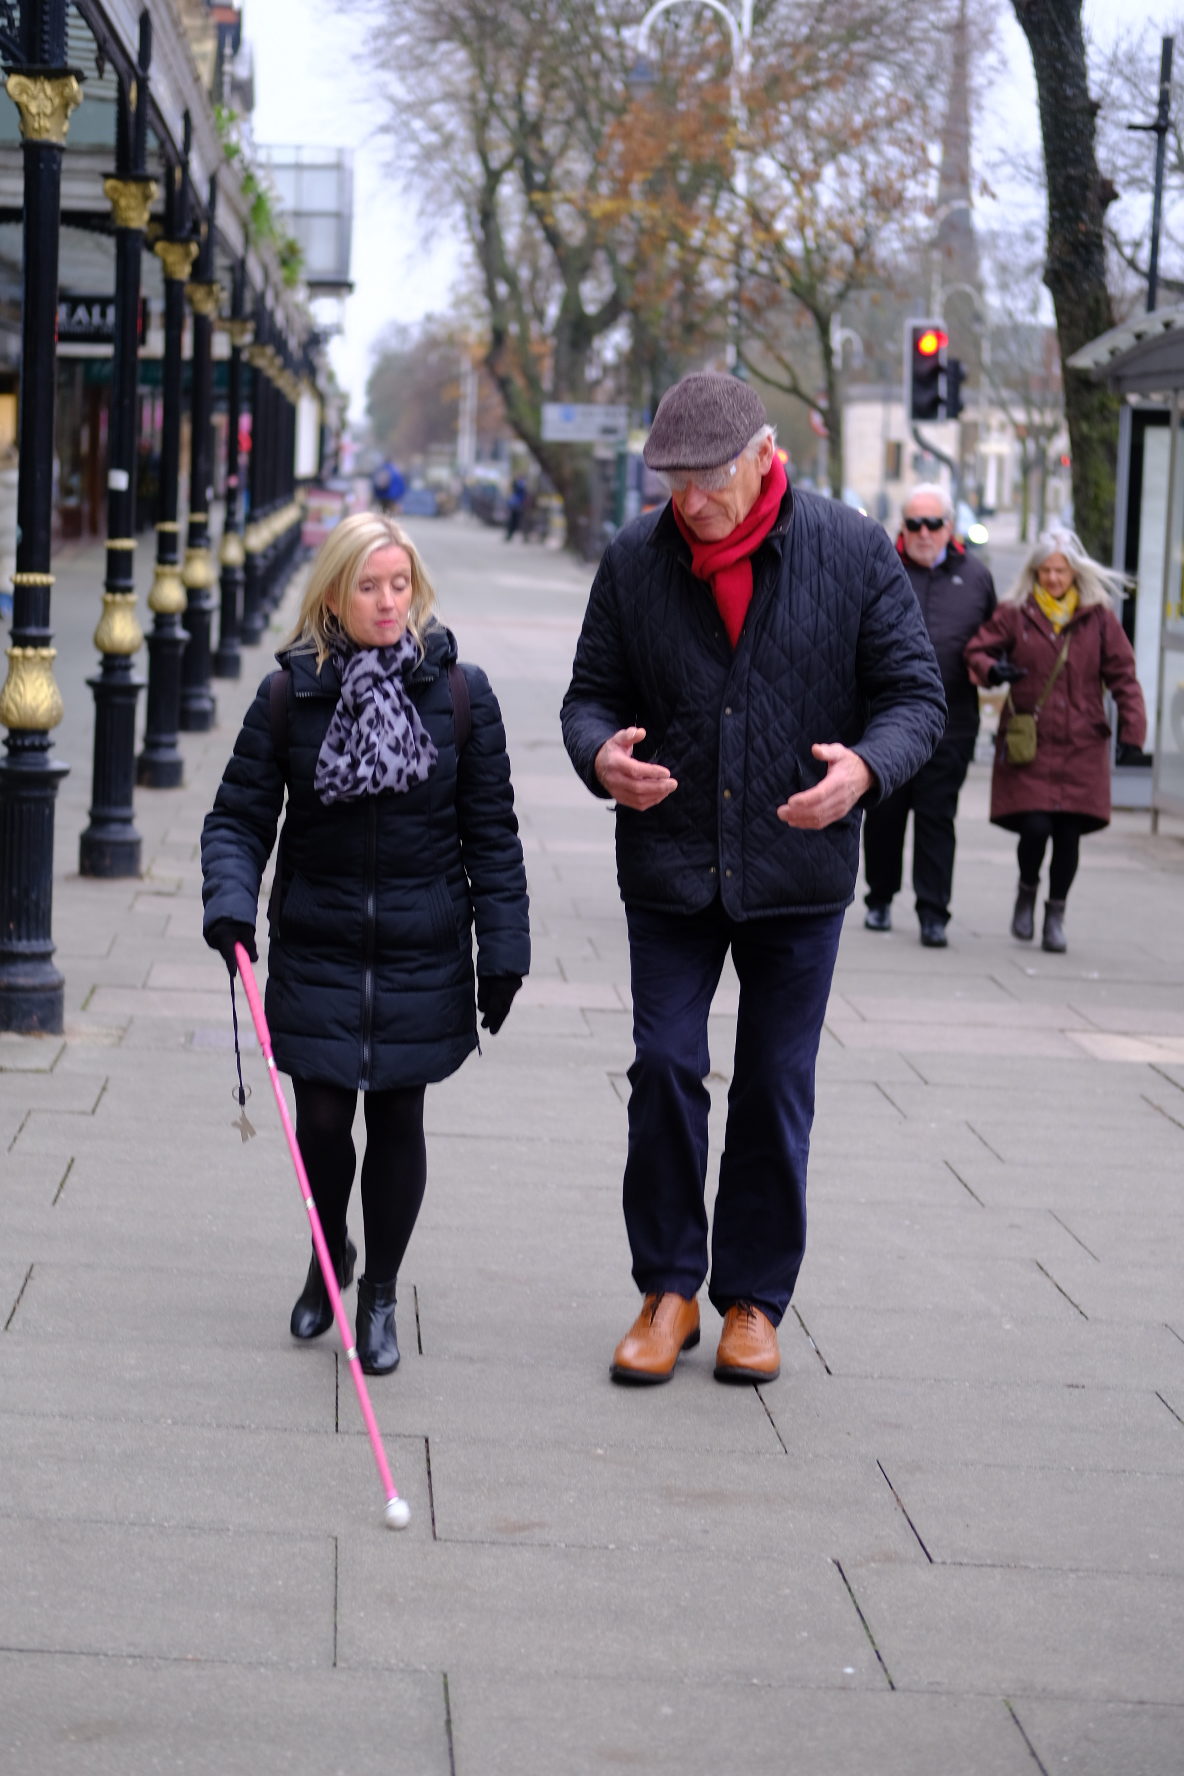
[
  {"x": 394, "y": 1168},
  {"x": 1065, "y": 832}
]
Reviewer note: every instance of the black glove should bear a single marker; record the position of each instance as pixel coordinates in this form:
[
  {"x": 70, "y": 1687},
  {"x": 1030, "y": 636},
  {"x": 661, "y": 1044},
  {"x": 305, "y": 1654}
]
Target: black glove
[
  {"x": 222, "y": 936},
  {"x": 1128, "y": 753},
  {"x": 495, "y": 995},
  {"x": 1002, "y": 672}
]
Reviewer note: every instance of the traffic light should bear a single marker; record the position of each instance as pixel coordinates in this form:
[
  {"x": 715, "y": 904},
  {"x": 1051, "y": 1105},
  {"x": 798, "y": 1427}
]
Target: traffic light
[
  {"x": 955, "y": 372},
  {"x": 932, "y": 379}
]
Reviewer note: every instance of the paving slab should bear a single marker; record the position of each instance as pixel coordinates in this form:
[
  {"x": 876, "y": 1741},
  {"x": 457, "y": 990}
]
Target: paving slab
[
  {"x": 91, "y": 1716},
  {"x": 1096, "y": 1739},
  {"x": 778, "y": 1619},
  {"x": 1026, "y": 1632},
  {"x": 139, "y": 1590},
  {"x": 511, "y": 1724}
]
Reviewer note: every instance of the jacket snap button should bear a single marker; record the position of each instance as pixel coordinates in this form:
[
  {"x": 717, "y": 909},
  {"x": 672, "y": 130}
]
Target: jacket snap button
[
  {"x": 727, "y": 872},
  {"x": 727, "y": 795},
  {"x": 728, "y": 710}
]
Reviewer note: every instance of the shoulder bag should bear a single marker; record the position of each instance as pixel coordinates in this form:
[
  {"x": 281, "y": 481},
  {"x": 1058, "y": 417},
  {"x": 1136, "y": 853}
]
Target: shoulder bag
[{"x": 1019, "y": 737}]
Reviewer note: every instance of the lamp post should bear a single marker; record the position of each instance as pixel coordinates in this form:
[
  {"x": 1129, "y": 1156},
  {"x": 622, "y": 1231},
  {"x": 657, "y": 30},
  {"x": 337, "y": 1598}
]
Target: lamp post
[{"x": 739, "y": 28}]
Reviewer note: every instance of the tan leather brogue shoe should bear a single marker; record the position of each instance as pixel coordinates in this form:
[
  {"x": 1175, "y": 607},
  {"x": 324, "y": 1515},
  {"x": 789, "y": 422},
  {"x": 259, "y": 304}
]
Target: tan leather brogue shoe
[
  {"x": 667, "y": 1325},
  {"x": 748, "y": 1346}
]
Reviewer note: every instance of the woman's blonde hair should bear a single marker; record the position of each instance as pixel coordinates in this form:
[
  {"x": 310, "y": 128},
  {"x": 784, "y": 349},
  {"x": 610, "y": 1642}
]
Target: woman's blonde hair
[
  {"x": 335, "y": 572},
  {"x": 1095, "y": 584}
]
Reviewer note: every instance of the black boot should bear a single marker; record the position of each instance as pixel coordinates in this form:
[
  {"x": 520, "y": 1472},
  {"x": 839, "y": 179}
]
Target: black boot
[
  {"x": 378, "y": 1350},
  {"x": 313, "y": 1312},
  {"x": 1023, "y": 920},
  {"x": 1054, "y": 927}
]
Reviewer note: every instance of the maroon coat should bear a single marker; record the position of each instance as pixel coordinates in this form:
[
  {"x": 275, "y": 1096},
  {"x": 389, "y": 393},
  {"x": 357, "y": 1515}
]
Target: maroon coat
[{"x": 1071, "y": 771}]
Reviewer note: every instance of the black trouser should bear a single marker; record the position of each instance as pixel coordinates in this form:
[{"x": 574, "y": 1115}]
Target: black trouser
[
  {"x": 394, "y": 1168},
  {"x": 932, "y": 799},
  {"x": 758, "y": 1236},
  {"x": 1065, "y": 832}
]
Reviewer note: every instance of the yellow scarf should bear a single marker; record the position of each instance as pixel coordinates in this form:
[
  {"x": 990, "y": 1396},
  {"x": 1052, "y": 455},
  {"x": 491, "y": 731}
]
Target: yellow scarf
[{"x": 1057, "y": 610}]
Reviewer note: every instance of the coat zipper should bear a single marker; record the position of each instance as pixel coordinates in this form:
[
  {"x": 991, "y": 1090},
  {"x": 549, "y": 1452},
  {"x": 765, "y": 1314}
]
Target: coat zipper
[{"x": 371, "y": 923}]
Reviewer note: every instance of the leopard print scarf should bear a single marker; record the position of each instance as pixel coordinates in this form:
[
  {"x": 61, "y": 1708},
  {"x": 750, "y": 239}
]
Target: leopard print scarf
[{"x": 375, "y": 740}]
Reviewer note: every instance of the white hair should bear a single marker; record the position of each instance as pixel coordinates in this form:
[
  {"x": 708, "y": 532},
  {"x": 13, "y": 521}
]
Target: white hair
[
  {"x": 933, "y": 490},
  {"x": 1095, "y": 584},
  {"x": 753, "y": 447}
]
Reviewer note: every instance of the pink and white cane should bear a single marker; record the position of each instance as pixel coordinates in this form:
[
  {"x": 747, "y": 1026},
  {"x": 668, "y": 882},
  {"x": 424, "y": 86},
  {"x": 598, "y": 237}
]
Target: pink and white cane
[{"x": 396, "y": 1513}]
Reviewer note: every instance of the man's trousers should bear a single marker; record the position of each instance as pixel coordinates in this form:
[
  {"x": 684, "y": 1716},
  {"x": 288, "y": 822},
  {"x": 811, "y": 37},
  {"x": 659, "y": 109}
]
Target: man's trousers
[
  {"x": 932, "y": 798},
  {"x": 784, "y": 966}
]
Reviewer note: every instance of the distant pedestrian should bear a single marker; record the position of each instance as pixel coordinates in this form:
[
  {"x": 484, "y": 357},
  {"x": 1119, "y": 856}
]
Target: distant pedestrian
[
  {"x": 956, "y": 595},
  {"x": 388, "y": 487},
  {"x": 400, "y": 837},
  {"x": 517, "y": 510},
  {"x": 751, "y": 669},
  {"x": 1056, "y": 643}
]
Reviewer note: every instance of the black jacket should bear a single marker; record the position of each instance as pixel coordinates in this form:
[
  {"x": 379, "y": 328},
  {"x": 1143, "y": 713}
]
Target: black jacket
[
  {"x": 956, "y": 598},
  {"x": 370, "y": 968},
  {"x": 833, "y": 649}
]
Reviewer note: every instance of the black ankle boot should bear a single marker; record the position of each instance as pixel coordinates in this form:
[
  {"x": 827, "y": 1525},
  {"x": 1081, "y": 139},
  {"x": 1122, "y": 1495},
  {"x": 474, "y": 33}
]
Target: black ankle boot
[
  {"x": 378, "y": 1350},
  {"x": 1054, "y": 927},
  {"x": 313, "y": 1312},
  {"x": 1023, "y": 920}
]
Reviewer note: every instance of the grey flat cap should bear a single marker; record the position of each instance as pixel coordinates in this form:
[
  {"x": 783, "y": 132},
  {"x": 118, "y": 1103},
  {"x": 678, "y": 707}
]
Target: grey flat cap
[{"x": 703, "y": 422}]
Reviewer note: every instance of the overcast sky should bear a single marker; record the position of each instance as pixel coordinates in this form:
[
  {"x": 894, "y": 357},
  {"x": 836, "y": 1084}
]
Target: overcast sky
[{"x": 314, "y": 87}]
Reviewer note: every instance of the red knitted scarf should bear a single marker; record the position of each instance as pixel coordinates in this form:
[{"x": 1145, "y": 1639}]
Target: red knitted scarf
[{"x": 727, "y": 564}]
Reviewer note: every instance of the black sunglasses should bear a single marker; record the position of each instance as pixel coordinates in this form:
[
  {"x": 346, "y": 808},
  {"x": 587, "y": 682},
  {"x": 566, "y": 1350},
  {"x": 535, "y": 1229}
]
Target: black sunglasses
[{"x": 916, "y": 524}]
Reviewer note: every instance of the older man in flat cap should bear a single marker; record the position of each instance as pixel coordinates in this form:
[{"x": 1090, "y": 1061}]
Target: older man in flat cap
[{"x": 752, "y": 669}]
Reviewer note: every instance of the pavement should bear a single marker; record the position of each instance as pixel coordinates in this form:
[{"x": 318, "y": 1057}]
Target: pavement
[{"x": 948, "y": 1539}]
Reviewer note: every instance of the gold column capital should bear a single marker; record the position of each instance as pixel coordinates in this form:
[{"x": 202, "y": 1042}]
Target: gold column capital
[
  {"x": 45, "y": 102},
  {"x": 30, "y": 699},
  {"x": 232, "y": 552},
  {"x": 167, "y": 597},
  {"x": 177, "y": 258},
  {"x": 118, "y": 631},
  {"x": 198, "y": 571},
  {"x": 130, "y": 200},
  {"x": 204, "y": 298},
  {"x": 240, "y": 332}
]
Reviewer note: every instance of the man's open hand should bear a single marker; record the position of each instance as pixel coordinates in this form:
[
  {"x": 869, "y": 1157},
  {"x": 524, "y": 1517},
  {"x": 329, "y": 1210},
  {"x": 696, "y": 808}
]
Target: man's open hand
[
  {"x": 631, "y": 781},
  {"x": 847, "y": 779}
]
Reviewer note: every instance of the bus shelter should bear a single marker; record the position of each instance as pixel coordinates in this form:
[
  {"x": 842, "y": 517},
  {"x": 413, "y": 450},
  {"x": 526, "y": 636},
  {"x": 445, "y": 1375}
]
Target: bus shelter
[{"x": 1143, "y": 360}]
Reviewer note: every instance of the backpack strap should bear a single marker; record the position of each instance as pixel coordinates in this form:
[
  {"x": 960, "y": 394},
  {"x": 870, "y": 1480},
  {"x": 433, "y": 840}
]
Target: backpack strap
[
  {"x": 462, "y": 713},
  {"x": 278, "y": 692}
]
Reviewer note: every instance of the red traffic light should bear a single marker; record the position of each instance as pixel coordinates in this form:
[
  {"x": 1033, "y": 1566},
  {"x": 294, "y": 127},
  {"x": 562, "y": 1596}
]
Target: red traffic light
[{"x": 932, "y": 341}]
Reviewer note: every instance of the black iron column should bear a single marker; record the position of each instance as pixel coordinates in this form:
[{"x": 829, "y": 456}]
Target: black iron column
[
  {"x": 254, "y": 541},
  {"x": 160, "y": 764},
  {"x": 110, "y": 845},
  {"x": 232, "y": 555},
  {"x": 32, "y": 990},
  {"x": 198, "y": 708}
]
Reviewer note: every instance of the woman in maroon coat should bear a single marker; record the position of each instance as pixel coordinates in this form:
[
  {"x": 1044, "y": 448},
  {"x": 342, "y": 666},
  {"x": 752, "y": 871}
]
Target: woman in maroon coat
[{"x": 1065, "y": 790}]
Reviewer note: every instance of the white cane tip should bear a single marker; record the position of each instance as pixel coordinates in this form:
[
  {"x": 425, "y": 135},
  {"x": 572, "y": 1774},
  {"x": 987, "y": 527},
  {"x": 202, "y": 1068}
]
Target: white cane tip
[{"x": 397, "y": 1514}]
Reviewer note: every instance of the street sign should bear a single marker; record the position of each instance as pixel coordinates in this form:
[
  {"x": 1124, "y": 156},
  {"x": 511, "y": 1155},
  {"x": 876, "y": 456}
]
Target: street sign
[{"x": 584, "y": 423}]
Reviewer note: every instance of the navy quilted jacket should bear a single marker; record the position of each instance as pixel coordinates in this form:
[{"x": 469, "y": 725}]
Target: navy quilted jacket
[
  {"x": 370, "y": 965},
  {"x": 833, "y": 649}
]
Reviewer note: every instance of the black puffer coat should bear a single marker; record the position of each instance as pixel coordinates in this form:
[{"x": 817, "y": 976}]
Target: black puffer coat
[
  {"x": 833, "y": 649},
  {"x": 956, "y": 597},
  {"x": 370, "y": 970}
]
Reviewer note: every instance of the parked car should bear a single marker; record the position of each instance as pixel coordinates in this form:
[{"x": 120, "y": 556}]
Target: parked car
[{"x": 419, "y": 502}]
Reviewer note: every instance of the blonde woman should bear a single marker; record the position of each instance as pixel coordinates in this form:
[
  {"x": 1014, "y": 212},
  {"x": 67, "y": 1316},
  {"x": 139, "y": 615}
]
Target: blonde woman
[
  {"x": 399, "y": 840},
  {"x": 1055, "y": 639}
]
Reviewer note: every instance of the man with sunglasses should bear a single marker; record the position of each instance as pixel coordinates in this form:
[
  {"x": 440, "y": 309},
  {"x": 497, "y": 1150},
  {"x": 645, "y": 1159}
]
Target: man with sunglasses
[
  {"x": 751, "y": 670},
  {"x": 956, "y": 595}
]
